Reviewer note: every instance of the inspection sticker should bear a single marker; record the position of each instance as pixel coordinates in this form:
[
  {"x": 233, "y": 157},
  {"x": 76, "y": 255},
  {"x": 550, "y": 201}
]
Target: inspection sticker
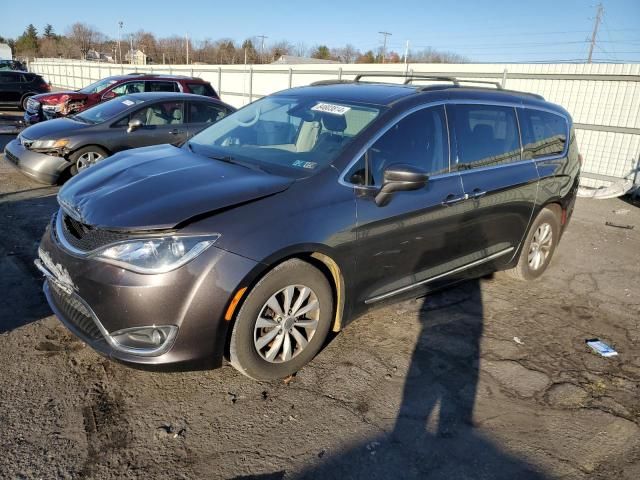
[
  {"x": 128, "y": 103},
  {"x": 303, "y": 164},
  {"x": 330, "y": 108}
]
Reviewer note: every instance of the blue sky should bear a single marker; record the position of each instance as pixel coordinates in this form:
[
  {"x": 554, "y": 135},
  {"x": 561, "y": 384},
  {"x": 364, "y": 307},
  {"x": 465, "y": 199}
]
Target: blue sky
[{"x": 484, "y": 31}]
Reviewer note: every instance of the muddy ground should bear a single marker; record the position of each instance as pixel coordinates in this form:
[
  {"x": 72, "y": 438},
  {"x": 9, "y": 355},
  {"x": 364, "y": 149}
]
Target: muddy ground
[{"x": 431, "y": 388}]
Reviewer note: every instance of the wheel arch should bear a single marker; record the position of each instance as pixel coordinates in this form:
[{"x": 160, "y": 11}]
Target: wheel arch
[{"x": 316, "y": 255}]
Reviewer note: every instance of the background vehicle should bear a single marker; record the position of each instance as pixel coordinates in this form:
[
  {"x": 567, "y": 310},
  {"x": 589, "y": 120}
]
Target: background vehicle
[
  {"x": 60, "y": 104},
  {"x": 302, "y": 210},
  {"x": 47, "y": 150},
  {"x": 17, "y": 87},
  {"x": 12, "y": 65}
]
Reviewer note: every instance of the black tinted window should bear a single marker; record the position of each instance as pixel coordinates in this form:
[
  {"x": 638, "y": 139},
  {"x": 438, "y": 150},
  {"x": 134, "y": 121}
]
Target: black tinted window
[
  {"x": 201, "y": 89},
  {"x": 487, "y": 135},
  {"x": 10, "y": 77},
  {"x": 419, "y": 139},
  {"x": 163, "y": 87},
  {"x": 543, "y": 133}
]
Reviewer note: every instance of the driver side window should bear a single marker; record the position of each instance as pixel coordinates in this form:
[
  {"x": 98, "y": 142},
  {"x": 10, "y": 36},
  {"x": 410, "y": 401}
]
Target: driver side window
[{"x": 420, "y": 139}]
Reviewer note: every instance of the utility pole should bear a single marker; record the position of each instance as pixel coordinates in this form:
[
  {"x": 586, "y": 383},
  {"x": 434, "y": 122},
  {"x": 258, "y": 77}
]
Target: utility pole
[
  {"x": 595, "y": 31},
  {"x": 131, "y": 51},
  {"x": 262, "y": 46},
  {"x": 384, "y": 45},
  {"x": 119, "y": 35},
  {"x": 187, "y": 43}
]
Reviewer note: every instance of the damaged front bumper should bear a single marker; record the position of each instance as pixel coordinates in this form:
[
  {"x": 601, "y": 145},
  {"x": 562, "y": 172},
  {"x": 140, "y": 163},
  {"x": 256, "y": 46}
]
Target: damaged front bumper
[
  {"x": 105, "y": 305},
  {"x": 41, "y": 167}
]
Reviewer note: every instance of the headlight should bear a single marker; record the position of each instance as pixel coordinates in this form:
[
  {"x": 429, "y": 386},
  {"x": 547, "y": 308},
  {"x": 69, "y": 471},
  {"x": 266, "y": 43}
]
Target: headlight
[
  {"x": 54, "y": 108},
  {"x": 155, "y": 255},
  {"x": 49, "y": 144}
]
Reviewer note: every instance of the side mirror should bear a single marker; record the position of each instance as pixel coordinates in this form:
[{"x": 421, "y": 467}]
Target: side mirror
[
  {"x": 109, "y": 95},
  {"x": 400, "y": 178},
  {"x": 134, "y": 125}
]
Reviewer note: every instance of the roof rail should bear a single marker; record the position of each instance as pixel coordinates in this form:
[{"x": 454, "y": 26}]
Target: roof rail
[
  {"x": 136, "y": 73},
  {"x": 329, "y": 82},
  {"x": 409, "y": 78}
]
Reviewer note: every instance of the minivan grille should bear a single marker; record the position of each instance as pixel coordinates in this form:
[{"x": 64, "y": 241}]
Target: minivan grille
[
  {"x": 85, "y": 237},
  {"x": 75, "y": 312}
]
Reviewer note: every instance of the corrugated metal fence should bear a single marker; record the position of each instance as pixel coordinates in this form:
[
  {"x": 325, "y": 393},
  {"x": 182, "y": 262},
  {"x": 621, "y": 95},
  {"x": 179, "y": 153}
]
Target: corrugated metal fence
[{"x": 604, "y": 99}]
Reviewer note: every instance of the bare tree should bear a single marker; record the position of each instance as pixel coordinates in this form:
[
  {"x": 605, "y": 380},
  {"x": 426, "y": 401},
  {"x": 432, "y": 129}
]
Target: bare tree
[
  {"x": 346, "y": 54},
  {"x": 280, "y": 48},
  {"x": 85, "y": 37}
]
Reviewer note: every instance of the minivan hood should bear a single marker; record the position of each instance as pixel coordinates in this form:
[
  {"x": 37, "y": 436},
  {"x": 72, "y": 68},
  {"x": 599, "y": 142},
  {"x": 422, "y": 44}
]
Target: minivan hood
[
  {"x": 56, "y": 128},
  {"x": 160, "y": 187}
]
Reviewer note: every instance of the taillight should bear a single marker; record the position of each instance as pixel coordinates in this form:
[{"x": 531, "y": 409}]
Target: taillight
[{"x": 44, "y": 86}]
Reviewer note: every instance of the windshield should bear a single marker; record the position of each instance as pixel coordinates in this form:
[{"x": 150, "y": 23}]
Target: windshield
[
  {"x": 296, "y": 133},
  {"x": 107, "y": 110},
  {"x": 97, "y": 87}
]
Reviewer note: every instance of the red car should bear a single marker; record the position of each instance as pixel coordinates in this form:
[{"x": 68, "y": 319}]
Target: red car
[{"x": 60, "y": 104}]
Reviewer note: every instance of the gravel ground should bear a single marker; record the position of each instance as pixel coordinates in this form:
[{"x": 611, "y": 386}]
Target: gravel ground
[{"x": 430, "y": 388}]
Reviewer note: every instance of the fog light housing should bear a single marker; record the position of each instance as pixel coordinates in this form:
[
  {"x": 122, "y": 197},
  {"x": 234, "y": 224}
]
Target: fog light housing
[{"x": 145, "y": 341}]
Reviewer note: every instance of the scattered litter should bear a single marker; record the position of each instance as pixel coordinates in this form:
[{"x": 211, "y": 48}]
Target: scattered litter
[
  {"x": 611, "y": 224},
  {"x": 233, "y": 396},
  {"x": 181, "y": 433},
  {"x": 601, "y": 347},
  {"x": 265, "y": 394},
  {"x": 289, "y": 379},
  {"x": 518, "y": 341},
  {"x": 321, "y": 453},
  {"x": 616, "y": 189},
  {"x": 621, "y": 211}
]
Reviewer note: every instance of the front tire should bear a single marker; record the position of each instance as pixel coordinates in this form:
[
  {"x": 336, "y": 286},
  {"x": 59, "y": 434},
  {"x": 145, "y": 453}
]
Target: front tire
[
  {"x": 283, "y": 322},
  {"x": 538, "y": 248},
  {"x": 86, "y": 157}
]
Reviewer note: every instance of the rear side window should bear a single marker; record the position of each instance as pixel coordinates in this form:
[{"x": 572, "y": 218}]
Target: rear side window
[
  {"x": 543, "y": 133},
  {"x": 10, "y": 77},
  {"x": 157, "y": 86},
  {"x": 487, "y": 135},
  {"x": 201, "y": 89},
  {"x": 201, "y": 112}
]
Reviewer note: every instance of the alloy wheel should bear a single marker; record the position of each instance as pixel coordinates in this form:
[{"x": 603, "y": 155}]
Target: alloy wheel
[
  {"x": 286, "y": 323},
  {"x": 540, "y": 247},
  {"x": 87, "y": 159}
]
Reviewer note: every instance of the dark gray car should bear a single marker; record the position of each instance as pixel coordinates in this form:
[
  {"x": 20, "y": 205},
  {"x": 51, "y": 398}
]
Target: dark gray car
[{"x": 48, "y": 150}]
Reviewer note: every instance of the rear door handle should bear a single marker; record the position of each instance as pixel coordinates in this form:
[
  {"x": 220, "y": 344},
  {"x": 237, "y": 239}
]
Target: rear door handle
[
  {"x": 452, "y": 199},
  {"x": 477, "y": 193}
]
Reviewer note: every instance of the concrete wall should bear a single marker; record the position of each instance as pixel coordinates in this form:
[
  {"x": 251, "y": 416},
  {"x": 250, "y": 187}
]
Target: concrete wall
[{"x": 604, "y": 99}]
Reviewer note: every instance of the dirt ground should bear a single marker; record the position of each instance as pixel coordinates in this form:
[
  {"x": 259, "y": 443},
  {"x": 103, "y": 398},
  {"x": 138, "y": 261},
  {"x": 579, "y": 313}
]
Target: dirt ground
[{"x": 491, "y": 379}]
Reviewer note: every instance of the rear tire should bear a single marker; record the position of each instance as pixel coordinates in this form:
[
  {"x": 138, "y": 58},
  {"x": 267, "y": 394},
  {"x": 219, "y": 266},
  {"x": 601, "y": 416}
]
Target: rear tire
[
  {"x": 538, "y": 248},
  {"x": 270, "y": 338},
  {"x": 86, "y": 157}
]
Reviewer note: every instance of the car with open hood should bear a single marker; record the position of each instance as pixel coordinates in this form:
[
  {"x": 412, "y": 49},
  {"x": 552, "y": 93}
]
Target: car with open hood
[
  {"x": 50, "y": 152},
  {"x": 294, "y": 215},
  {"x": 63, "y": 103}
]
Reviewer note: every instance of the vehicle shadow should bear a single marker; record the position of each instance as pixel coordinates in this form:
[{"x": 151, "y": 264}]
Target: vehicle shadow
[
  {"x": 434, "y": 436},
  {"x": 23, "y": 219}
]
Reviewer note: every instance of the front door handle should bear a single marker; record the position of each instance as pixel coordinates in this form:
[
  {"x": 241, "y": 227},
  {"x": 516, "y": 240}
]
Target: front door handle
[
  {"x": 452, "y": 199},
  {"x": 175, "y": 131}
]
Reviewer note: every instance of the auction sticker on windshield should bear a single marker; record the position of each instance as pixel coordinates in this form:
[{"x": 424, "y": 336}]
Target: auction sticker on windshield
[
  {"x": 330, "y": 108},
  {"x": 303, "y": 164},
  {"x": 128, "y": 103}
]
